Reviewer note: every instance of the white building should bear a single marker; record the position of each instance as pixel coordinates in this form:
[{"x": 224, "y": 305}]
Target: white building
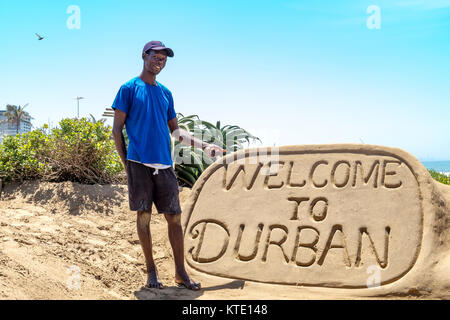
[{"x": 6, "y": 128}]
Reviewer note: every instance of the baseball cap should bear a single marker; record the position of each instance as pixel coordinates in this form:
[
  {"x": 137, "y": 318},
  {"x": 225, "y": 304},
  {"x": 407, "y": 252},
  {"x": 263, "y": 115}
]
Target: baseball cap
[{"x": 158, "y": 45}]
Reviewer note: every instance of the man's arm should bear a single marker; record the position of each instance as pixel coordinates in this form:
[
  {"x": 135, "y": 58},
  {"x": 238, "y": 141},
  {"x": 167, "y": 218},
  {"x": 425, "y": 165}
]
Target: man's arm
[
  {"x": 119, "y": 122},
  {"x": 186, "y": 138}
]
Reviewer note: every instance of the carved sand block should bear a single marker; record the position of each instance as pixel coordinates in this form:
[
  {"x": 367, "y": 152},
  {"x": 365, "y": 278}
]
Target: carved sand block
[{"x": 327, "y": 216}]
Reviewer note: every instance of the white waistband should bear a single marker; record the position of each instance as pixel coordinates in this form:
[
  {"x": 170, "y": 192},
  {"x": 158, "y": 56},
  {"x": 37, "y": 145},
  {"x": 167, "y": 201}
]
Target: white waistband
[{"x": 157, "y": 166}]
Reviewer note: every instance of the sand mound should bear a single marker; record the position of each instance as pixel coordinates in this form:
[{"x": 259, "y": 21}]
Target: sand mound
[
  {"x": 362, "y": 221},
  {"x": 50, "y": 231}
]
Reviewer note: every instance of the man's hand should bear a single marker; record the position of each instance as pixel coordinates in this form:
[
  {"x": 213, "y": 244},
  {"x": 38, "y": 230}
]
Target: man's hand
[
  {"x": 212, "y": 150},
  {"x": 186, "y": 138}
]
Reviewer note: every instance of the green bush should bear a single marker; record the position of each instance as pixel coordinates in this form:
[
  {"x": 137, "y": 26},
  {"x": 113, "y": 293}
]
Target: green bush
[
  {"x": 84, "y": 151},
  {"x": 442, "y": 178},
  {"x": 18, "y": 156},
  {"x": 79, "y": 150}
]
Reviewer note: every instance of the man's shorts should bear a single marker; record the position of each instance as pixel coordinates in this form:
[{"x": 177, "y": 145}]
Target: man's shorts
[{"x": 146, "y": 187}]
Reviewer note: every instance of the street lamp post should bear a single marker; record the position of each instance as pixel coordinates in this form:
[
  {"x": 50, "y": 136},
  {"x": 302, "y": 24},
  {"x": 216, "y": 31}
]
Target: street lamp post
[{"x": 78, "y": 105}]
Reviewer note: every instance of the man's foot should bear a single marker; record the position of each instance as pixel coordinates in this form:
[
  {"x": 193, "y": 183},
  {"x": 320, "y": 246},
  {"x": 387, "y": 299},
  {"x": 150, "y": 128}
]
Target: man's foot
[
  {"x": 153, "y": 281},
  {"x": 185, "y": 282}
]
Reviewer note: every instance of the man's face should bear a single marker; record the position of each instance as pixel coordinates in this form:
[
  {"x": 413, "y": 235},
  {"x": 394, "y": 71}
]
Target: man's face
[{"x": 155, "y": 61}]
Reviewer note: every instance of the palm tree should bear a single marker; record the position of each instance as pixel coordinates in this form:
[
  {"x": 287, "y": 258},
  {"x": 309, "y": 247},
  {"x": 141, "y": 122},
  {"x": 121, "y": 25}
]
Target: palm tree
[{"x": 15, "y": 115}]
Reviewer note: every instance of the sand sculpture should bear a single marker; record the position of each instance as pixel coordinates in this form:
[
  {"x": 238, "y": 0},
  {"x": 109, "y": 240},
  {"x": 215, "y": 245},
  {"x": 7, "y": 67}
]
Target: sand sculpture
[{"x": 364, "y": 220}]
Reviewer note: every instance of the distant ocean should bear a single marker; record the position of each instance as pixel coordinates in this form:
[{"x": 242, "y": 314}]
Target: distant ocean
[{"x": 439, "y": 166}]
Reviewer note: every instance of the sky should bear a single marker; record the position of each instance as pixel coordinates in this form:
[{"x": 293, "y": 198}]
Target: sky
[{"x": 289, "y": 71}]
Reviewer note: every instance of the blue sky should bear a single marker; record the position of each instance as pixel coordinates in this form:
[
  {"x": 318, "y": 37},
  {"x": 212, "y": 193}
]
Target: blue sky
[{"x": 291, "y": 72}]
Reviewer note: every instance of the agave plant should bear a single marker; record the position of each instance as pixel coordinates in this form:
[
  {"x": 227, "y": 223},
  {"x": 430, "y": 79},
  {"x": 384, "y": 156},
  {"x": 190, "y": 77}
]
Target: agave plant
[
  {"x": 94, "y": 120},
  {"x": 190, "y": 162}
]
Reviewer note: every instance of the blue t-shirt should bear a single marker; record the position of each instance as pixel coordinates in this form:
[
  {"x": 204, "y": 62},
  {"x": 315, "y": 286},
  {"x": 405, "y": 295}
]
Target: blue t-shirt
[{"x": 148, "y": 108}]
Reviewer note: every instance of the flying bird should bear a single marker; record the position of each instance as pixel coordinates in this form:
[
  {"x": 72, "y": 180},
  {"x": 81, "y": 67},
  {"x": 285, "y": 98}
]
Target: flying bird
[{"x": 39, "y": 37}]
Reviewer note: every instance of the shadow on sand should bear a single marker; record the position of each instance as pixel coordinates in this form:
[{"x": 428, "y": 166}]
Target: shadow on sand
[
  {"x": 175, "y": 293},
  {"x": 68, "y": 196}
]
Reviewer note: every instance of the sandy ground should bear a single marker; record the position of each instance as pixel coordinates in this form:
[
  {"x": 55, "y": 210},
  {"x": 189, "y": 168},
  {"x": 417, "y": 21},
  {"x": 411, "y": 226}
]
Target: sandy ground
[
  {"x": 44, "y": 240},
  {"x": 71, "y": 241}
]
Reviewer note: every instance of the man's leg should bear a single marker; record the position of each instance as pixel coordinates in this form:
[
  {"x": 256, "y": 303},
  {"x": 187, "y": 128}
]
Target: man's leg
[
  {"x": 176, "y": 241},
  {"x": 145, "y": 237}
]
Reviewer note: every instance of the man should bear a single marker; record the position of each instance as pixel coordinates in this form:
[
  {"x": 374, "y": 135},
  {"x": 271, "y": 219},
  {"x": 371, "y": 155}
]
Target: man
[{"x": 146, "y": 107}]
